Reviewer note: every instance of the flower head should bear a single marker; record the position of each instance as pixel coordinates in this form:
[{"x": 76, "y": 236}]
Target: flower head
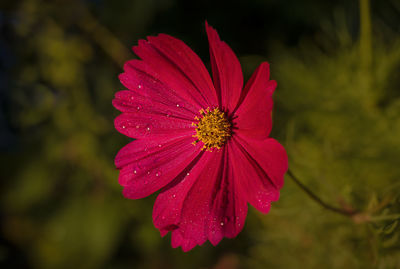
[{"x": 203, "y": 142}]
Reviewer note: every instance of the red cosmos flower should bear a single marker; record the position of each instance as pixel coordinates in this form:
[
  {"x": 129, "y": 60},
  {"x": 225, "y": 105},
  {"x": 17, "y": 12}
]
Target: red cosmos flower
[{"x": 203, "y": 142}]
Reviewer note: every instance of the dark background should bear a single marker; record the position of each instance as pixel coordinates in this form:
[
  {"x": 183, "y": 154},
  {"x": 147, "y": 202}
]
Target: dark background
[{"x": 337, "y": 112}]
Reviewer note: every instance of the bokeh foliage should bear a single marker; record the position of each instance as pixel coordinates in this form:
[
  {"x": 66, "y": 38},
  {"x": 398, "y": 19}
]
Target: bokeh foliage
[{"x": 337, "y": 111}]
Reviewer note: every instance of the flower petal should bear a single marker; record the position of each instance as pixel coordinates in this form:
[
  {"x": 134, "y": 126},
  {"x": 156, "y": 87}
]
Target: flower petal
[
  {"x": 188, "y": 61},
  {"x": 146, "y": 166},
  {"x": 143, "y": 125},
  {"x": 227, "y": 73},
  {"x": 254, "y": 112},
  {"x": 229, "y": 207},
  {"x": 143, "y": 81},
  {"x": 131, "y": 102},
  {"x": 260, "y": 165},
  {"x": 177, "y": 66},
  {"x": 203, "y": 204},
  {"x": 169, "y": 206}
]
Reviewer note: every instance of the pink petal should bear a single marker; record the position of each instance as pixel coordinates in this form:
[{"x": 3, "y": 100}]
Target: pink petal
[
  {"x": 229, "y": 207},
  {"x": 169, "y": 206},
  {"x": 180, "y": 69},
  {"x": 254, "y": 113},
  {"x": 129, "y": 101},
  {"x": 227, "y": 73},
  {"x": 203, "y": 204},
  {"x": 139, "y": 149},
  {"x": 260, "y": 165},
  {"x": 143, "y": 81},
  {"x": 147, "y": 166},
  {"x": 143, "y": 125},
  {"x": 188, "y": 61}
]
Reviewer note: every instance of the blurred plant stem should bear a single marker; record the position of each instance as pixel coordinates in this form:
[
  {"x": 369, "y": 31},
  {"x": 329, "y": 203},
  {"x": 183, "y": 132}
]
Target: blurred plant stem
[
  {"x": 357, "y": 216},
  {"x": 365, "y": 35},
  {"x": 385, "y": 217},
  {"x": 312, "y": 195},
  {"x": 366, "y": 74}
]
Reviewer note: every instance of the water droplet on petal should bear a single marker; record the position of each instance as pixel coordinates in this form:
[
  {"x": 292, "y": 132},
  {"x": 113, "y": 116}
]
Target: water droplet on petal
[
  {"x": 159, "y": 145},
  {"x": 147, "y": 128},
  {"x": 138, "y": 107},
  {"x": 158, "y": 173},
  {"x": 148, "y": 172},
  {"x": 173, "y": 196},
  {"x": 187, "y": 174},
  {"x": 123, "y": 126},
  {"x": 140, "y": 86},
  {"x": 222, "y": 224}
]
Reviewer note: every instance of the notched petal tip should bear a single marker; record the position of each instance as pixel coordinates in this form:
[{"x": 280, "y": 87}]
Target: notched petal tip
[
  {"x": 264, "y": 69},
  {"x": 141, "y": 42},
  {"x": 272, "y": 84}
]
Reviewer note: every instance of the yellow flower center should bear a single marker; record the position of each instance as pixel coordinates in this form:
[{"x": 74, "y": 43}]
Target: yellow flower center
[{"x": 213, "y": 129}]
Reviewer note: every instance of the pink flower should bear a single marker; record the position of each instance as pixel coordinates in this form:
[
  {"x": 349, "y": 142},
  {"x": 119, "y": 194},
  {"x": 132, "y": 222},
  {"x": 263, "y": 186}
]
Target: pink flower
[{"x": 205, "y": 143}]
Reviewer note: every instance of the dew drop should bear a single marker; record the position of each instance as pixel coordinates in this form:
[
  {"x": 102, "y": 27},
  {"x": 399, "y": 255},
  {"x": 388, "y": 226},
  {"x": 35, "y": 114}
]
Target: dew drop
[
  {"x": 147, "y": 127},
  {"x": 148, "y": 172},
  {"x": 187, "y": 174},
  {"x": 173, "y": 196},
  {"x": 139, "y": 107},
  {"x": 135, "y": 171},
  {"x": 123, "y": 126},
  {"x": 137, "y": 126},
  {"x": 159, "y": 145},
  {"x": 222, "y": 224},
  {"x": 158, "y": 173},
  {"x": 140, "y": 86}
]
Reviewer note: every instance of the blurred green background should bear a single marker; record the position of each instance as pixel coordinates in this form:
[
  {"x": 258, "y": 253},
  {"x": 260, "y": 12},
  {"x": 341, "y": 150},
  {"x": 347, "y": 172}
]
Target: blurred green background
[{"x": 337, "y": 111}]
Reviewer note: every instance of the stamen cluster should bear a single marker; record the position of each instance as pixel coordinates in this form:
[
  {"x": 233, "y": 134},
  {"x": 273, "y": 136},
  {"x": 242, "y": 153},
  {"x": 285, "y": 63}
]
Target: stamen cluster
[{"x": 212, "y": 128}]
